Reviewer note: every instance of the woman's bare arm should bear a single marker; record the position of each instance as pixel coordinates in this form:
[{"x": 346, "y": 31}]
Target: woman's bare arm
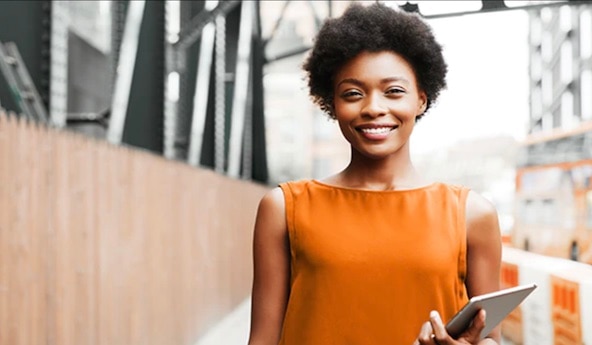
[
  {"x": 271, "y": 278},
  {"x": 483, "y": 250}
]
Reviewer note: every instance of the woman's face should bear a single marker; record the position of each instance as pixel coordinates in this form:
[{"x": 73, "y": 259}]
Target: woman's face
[{"x": 376, "y": 100}]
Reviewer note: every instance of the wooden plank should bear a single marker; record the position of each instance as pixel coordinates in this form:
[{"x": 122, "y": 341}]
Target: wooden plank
[
  {"x": 36, "y": 224},
  {"x": 102, "y": 244},
  {"x": 6, "y": 159}
]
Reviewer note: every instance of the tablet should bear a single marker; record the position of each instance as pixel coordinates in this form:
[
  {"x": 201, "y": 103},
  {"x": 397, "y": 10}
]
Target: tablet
[{"x": 497, "y": 305}]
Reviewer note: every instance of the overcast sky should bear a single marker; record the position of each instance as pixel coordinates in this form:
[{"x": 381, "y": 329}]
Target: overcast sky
[{"x": 487, "y": 91}]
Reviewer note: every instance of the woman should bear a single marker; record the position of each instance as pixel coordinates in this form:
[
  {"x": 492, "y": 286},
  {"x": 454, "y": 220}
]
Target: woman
[{"x": 375, "y": 254}]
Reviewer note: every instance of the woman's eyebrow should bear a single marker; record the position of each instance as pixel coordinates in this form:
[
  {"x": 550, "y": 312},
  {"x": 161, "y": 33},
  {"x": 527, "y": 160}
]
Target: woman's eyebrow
[
  {"x": 394, "y": 79},
  {"x": 382, "y": 81},
  {"x": 351, "y": 81}
]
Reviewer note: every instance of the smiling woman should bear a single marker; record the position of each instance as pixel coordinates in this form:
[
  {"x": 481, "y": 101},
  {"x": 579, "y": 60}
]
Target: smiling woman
[
  {"x": 365, "y": 97},
  {"x": 377, "y": 253}
]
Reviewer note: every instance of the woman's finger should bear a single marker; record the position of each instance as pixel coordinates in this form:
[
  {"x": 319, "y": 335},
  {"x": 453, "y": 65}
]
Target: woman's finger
[
  {"x": 425, "y": 334},
  {"x": 473, "y": 333},
  {"x": 439, "y": 331}
]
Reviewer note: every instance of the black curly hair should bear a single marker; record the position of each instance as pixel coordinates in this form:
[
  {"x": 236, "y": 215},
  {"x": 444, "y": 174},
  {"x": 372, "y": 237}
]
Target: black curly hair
[{"x": 374, "y": 28}]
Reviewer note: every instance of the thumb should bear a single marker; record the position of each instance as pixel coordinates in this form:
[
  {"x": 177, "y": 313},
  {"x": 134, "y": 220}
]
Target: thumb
[{"x": 473, "y": 333}]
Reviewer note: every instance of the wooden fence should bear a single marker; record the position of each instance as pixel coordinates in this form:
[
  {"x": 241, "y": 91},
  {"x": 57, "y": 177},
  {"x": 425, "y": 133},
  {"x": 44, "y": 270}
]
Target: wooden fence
[{"x": 103, "y": 244}]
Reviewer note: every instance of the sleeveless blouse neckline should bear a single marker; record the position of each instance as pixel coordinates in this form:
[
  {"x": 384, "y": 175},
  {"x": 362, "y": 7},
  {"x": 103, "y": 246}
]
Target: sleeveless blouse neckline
[{"x": 358, "y": 190}]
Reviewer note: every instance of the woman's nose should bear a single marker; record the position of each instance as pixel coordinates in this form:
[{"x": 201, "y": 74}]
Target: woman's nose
[{"x": 374, "y": 106}]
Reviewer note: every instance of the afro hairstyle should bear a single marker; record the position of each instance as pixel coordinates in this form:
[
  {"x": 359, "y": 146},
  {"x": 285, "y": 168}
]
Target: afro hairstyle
[{"x": 374, "y": 28}]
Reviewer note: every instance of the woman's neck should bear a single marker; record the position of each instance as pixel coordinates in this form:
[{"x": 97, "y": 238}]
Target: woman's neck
[{"x": 390, "y": 173}]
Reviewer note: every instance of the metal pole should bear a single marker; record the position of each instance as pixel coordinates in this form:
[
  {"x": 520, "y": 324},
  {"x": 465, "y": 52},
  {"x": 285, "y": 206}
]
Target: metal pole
[
  {"x": 125, "y": 70},
  {"x": 239, "y": 104},
  {"x": 220, "y": 102},
  {"x": 247, "y": 160},
  {"x": 170, "y": 99},
  {"x": 202, "y": 89},
  {"x": 58, "y": 100}
]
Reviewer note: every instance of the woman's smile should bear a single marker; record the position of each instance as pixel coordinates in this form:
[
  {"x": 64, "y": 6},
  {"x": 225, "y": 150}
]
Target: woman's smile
[{"x": 377, "y": 132}]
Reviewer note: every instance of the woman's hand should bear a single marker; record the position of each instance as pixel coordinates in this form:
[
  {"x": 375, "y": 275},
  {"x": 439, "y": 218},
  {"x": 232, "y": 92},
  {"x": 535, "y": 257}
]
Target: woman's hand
[{"x": 433, "y": 332}]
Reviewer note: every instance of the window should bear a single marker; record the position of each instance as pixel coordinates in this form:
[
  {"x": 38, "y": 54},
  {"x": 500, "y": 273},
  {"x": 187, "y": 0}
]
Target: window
[
  {"x": 547, "y": 85},
  {"x": 536, "y": 67},
  {"x": 565, "y": 22},
  {"x": 567, "y": 111},
  {"x": 546, "y": 15},
  {"x": 585, "y": 92},
  {"x": 547, "y": 122},
  {"x": 536, "y": 103},
  {"x": 586, "y": 34},
  {"x": 547, "y": 46},
  {"x": 536, "y": 30},
  {"x": 566, "y": 62}
]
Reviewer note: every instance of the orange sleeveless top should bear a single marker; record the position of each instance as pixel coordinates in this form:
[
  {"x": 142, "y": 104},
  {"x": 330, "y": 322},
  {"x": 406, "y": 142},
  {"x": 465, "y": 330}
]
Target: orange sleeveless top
[{"x": 367, "y": 267}]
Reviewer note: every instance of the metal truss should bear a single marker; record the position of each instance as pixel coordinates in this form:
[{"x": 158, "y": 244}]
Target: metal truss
[{"x": 218, "y": 119}]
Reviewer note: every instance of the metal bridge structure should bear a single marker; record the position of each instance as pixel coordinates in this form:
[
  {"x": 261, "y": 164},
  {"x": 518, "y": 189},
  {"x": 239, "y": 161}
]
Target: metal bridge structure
[{"x": 183, "y": 79}]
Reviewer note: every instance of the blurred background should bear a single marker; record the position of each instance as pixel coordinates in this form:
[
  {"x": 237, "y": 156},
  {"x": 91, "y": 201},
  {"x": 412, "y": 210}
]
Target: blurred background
[{"x": 136, "y": 138}]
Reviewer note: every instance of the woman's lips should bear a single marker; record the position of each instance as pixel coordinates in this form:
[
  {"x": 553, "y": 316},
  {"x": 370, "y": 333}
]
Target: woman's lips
[{"x": 376, "y": 132}]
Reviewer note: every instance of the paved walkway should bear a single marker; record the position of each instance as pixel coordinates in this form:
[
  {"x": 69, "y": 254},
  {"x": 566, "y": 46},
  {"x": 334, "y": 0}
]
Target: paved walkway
[{"x": 233, "y": 330}]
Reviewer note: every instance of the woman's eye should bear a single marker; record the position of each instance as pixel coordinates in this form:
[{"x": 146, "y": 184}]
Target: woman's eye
[
  {"x": 395, "y": 91},
  {"x": 351, "y": 93}
]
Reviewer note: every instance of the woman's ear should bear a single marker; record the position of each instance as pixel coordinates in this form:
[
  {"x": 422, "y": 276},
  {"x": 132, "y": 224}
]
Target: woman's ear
[{"x": 423, "y": 103}]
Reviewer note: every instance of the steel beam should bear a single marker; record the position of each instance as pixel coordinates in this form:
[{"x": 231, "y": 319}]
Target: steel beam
[
  {"x": 58, "y": 100},
  {"x": 189, "y": 35},
  {"x": 186, "y": 64},
  {"x": 220, "y": 96},
  {"x": 202, "y": 90},
  {"x": 239, "y": 104},
  {"x": 493, "y": 6},
  {"x": 257, "y": 144},
  {"x": 125, "y": 70}
]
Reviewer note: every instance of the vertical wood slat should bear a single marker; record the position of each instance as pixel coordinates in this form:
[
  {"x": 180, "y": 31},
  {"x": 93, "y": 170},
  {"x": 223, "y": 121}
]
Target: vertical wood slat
[
  {"x": 3, "y": 234},
  {"x": 102, "y": 244}
]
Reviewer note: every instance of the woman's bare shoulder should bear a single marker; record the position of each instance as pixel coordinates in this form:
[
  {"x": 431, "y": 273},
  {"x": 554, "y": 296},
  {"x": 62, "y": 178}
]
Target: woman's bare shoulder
[
  {"x": 274, "y": 198},
  {"x": 481, "y": 214},
  {"x": 271, "y": 212}
]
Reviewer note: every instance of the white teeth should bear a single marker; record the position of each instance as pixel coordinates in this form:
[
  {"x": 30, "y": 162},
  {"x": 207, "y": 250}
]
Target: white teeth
[{"x": 380, "y": 130}]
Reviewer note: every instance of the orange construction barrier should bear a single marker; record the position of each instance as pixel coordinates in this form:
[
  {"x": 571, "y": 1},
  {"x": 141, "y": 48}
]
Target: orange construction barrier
[
  {"x": 512, "y": 325},
  {"x": 565, "y": 310}
]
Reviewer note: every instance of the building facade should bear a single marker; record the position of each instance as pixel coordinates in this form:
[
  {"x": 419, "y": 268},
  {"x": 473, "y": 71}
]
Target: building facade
[{"x": 554, "y": 174}]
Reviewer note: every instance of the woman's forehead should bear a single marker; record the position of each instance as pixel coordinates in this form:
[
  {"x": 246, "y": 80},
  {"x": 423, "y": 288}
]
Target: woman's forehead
[{"x": 377, "y": 66}]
